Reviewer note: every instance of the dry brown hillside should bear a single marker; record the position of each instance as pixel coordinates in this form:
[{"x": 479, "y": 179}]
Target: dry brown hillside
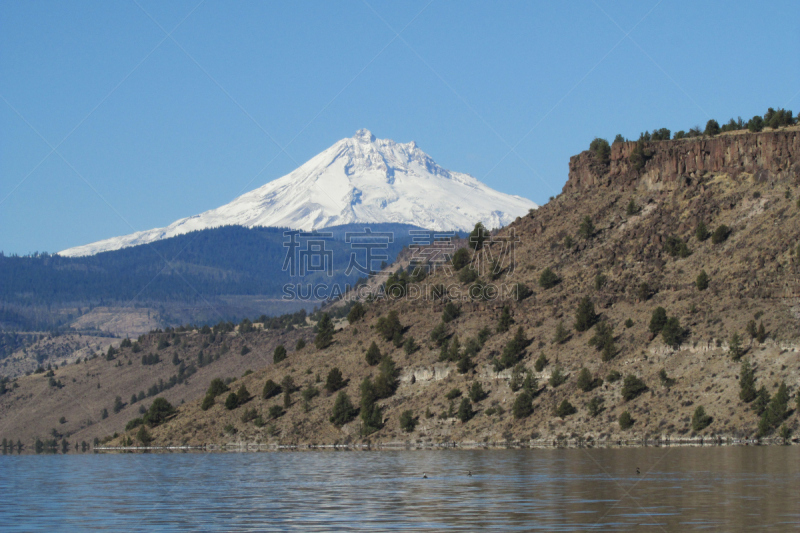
[{"x": 641, "y": 253}]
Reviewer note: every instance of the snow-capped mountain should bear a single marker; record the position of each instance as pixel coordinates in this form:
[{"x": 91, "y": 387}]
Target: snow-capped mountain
[{"x": 357, "y": 180}]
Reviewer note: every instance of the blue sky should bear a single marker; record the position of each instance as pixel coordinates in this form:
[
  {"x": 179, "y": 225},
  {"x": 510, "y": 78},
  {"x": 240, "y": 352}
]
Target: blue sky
[{"x": 160, "y": 110}]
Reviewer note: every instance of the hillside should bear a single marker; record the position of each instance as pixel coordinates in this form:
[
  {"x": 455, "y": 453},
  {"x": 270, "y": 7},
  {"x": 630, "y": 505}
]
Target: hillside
[{"x": 640, "y": 252}]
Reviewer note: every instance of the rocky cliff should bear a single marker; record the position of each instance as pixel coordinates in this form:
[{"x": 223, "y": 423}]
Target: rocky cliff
[{"x": 767, "y": 156}]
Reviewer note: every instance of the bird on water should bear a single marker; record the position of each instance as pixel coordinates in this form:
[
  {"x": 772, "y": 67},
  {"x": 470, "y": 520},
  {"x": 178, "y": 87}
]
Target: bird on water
[
  {"x": 424, "y": 475},
  {"x": 637, "y": 470}
]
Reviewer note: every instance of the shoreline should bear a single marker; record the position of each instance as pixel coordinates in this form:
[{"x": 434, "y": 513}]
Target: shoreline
[{"x": 696, "y": 442}]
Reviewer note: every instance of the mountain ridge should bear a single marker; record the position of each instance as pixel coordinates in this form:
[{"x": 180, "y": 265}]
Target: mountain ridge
[{"x": 361, "y": 179}]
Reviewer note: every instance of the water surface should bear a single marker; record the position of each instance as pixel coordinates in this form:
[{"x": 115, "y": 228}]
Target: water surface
[{"x": 677, "y": 489}]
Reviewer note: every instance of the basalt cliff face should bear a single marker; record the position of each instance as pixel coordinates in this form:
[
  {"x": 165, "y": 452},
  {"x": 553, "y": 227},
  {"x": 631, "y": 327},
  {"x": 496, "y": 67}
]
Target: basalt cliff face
[{"x": 769, "y": 157}]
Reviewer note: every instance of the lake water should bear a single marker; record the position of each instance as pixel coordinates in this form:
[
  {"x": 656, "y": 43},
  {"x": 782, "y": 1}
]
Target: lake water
[{"x": 678, "y": 489}]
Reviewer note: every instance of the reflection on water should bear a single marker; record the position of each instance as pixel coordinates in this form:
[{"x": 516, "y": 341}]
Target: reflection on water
[{"x": 678, "y": 489}]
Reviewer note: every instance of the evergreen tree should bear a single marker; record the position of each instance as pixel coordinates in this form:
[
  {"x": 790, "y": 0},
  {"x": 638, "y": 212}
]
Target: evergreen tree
[
  {"x": 540, "y": 363},
  {"x": 334, "y": 381},
  {"x": 585, "y": 317},
  {"x": 562, "y": 333},
  {"x": 439, "y": 334},
  {"x": 701, "y": 232},
  {"x": 477, "y": 237},
  {"x": 410, "y": 346},
  {"x": 625, "y": 420},
  {"x": 143, "y": 436},
  {"x": 632, "y": 209},
  {"x": 557, "y": 377},
  {"x": 762, "y": 401},
  {"x": 407, "y": 421},
  {"x": 231, "y": 402},
  {"x": 373, "y": 355},
  {"x": 465, "y": 412},
  {"x": 712, "y": 128},
  {"x": 601, "y": 150},
  {"x": 505, "y": 321},
  {"x": 160, "y": 410},
  {"x": 356, "y": 313},
  {"x": 632, "y": 387},
  {"x": 761, "y": 334},
  {"x": 270, "y": 389},
  {"x": 702, "y": 281},
  {"x": 476, "y": 392},
  {"x": 548, "y": 279},
  {"x": 587, "y": 228},
  {"x": 389, "y": 326},
  {"x": 371, "y": 413},
  {"x": 735, "y": 347},
  {"x": 565, "y": 409},
  {"x": 243, "y": 395},
  {"x": 673, "y": 333},
  {"x": 700, "y": 420},
  {"x": 747, "y": 383},
  {"x": 513, "y": 351},
  {"x": 595, "y": 406},
  {"x": 279, "y": 354},
  {"x": 585, "y": 380},
  {"x": 325, "y": 330},
  {"x": 523, "y": 405},
  {"x": 658, "y": 320},
  {"x": 207, "y": 403}
]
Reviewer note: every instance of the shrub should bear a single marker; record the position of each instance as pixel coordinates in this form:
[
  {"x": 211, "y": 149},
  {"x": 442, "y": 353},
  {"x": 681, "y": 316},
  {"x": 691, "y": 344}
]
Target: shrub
[
  {"x": 248, "y": 415},
  {"x": 207, "y": 403},
  {"x": 702, "y": 281},
  {"x": 407, "y": 421},
  {"x": 629, "y": 323},
  {"x": 453, "y": 394},
  {"x": 279, "y": 354},
  {"x": 244, "y": 351},
  {"x": 700, "y": 420},
  {"x": 618, "y": 139},
  {"x": 310, "y": 392},
  {"x": 600, "y": 281},
  {"x": 701, "y": 232},
  {"x": 465, "y": 412},
  {"x": 639, "y": 155},
  {"x": 747, "y": 383},
  {"x": 548, "y": 279},
  {"x": 665, "y": 379},
  {"x": 276, "y": 411},
  {"x": 523, "y": 405},
  {"x": 565, "y": 409},
  {"x": 301, "y": 343},
  {"x": 568, "y": 242},
  {"x": 720, "y": 234},
  {"x": 270, "y": 389},
  {"x": 133, "y": 424},
  {"x": 613, "y": 376},
  {"x": 557, "y": 377},
  {"x": 625, "y": 420},
  {"x": 540, "y": 363},
  {"x": 343, "y": 410},
  {"x": 632, "y": 208},
  {"x": 586, "y": 229},
  {"x": 658, "y": 320},
  {"x": 373, "y": 355},
  {"x": 632, "y": 387},
  {"x": 585, "y": 317},
  {"x": 356, "y": 313},
  {"x": 675, "y": 247},
  {"x": 334, "y": 381},
  {"x": 118, "y": 405}
]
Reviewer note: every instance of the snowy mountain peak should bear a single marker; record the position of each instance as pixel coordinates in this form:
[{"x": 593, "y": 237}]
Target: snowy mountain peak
[{"x": 361, "y": 179}]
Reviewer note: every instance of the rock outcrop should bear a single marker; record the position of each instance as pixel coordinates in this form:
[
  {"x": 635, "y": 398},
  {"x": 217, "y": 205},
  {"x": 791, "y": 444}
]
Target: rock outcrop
[{"x": 767, "y": 157}]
